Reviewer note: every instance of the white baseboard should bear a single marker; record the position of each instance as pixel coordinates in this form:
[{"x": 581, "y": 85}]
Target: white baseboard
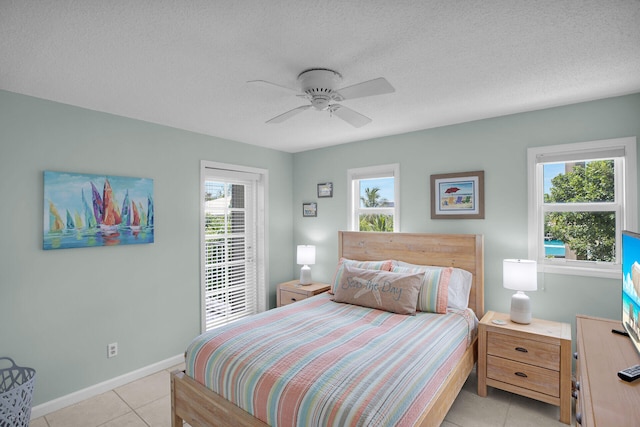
[{"x": 94, "y": 390}]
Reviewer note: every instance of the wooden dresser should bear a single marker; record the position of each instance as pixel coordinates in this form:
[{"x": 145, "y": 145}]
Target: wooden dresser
[{"x": 602, "y": 398}]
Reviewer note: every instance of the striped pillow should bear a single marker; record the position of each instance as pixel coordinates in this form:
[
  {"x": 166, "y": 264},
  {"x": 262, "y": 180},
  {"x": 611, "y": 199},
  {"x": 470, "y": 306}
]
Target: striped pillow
[
  {"x": 459, "y": 284},
  {"x": 367, "y": 265},
  {"x": 434, "y": 291}
]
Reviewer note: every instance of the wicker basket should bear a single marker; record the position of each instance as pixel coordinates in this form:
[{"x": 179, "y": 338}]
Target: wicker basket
[{"x": 16, "y": 391}]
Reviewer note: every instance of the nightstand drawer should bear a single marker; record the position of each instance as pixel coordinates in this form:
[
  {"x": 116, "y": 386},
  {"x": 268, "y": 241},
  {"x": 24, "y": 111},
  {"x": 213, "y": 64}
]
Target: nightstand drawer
[
  {"x": 292, "y": 291},
  {"x": 524, "y": 375},
  {"x": 524, "y": 350},
  {"x": 288, "y": 297}
]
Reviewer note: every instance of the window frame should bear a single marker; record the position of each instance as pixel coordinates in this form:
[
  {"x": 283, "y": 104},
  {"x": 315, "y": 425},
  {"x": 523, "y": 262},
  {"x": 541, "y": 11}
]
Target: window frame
[
  {"x": 623, "y": 151},
  {"x": 354, "y": 176}
]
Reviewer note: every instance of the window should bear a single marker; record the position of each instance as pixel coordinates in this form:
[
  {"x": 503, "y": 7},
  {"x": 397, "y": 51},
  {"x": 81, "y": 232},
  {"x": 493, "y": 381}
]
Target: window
[
  {"x": 374, "y": 198},
  {"x": 581, "y": 196},
  {"x": 232, "y": 234}
]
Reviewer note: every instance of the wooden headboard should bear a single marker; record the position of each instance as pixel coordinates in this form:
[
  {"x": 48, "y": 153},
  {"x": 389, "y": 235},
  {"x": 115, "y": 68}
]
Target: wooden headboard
[{"x": 465, "y": 251}]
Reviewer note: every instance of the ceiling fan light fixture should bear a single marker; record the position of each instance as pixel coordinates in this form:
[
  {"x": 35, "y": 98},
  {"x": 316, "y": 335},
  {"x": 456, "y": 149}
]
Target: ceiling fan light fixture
[{"x": 320, "y": 102}]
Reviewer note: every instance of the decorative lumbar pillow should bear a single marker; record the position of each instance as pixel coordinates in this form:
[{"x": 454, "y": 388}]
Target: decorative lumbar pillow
[
  {"x": 367, "y": 265},
  {"x": 459, "y": 284},
  {"x": 434, "y": 287},
  {"x": 384, "y": 290}
]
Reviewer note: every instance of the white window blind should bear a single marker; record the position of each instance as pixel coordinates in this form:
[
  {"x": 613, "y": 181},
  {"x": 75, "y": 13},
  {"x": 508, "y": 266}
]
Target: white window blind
[
  {"x": 229, "y": 253},
  {"x": 595, "y": 153}
]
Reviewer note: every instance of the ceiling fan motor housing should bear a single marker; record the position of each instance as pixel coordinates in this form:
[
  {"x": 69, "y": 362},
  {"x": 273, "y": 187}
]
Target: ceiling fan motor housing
[{"x": 320, "y": 85}]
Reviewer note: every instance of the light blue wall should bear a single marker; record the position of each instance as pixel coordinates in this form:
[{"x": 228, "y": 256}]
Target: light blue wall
[
  {"x": 498, "y": 146},
  {"x": 59, "y": 309}
]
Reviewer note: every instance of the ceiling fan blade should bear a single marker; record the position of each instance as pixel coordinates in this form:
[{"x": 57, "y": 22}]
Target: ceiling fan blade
[
  {"x": 354, "y": 118},
  {"x": 264, "y": 82},
  {"x": 284, "y": 116},
  {"x": 377, "y": 86}
]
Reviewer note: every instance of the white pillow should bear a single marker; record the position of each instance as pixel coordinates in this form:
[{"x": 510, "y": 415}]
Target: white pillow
[
  {"x": 459, "y": 285},
  {"x": 459, "y": 288}
]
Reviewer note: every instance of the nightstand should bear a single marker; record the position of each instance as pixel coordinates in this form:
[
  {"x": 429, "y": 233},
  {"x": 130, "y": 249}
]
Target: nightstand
[
  {"x": 292, "y": 291},
  {"x": 531, "y": 360}
]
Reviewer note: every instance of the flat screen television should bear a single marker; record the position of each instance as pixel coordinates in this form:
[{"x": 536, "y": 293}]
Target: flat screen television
[{"x": 631, "y": 286}]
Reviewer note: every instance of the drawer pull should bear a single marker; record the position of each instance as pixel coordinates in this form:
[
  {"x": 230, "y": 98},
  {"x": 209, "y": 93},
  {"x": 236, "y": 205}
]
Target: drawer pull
[
  {"x": 579, "y": 418},
  {"x": 293, "y": 299},
  {"x": 522, "y": 350},
  {"x": 575, "y": 355},
  {"x": 521, "y": 374},
  {"x": 574, "y": 394}
]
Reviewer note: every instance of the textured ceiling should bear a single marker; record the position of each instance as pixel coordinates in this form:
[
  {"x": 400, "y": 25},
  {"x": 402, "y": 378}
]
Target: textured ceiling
[{"x": 186, "y": 63}]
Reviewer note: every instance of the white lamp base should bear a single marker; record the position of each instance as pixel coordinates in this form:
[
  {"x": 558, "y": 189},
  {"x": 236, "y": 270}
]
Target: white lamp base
[
  {"x": 520, "y": 308},
  {"x": 305, "y": 275}
]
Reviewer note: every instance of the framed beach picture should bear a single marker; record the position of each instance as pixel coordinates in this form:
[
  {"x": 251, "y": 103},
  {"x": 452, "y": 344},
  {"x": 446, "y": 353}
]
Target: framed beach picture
[
  {"x": 83, "y": 210},
  {"x": 325, "y": 189},
  {"x": 309, "y": 209},
  {"x": 457, "y": 195}
]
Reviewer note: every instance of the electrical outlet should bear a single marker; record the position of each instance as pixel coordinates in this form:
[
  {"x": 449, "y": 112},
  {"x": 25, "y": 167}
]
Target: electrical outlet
[{"x": 112, "y": 350}]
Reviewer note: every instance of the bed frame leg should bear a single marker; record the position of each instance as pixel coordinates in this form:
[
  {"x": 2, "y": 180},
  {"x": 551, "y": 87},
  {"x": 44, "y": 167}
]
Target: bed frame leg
[{"x": 176, "y": 421}]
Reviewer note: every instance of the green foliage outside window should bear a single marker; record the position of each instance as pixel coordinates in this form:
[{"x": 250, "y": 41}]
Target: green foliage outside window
[
  {"x": 590, "y": 235},
  {"x": 375, "y": 222},
  {"x": 214, "y": 224}
]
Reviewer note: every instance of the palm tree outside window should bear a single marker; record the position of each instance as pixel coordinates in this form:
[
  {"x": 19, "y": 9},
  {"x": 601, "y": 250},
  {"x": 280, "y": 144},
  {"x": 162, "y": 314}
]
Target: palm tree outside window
[{"x": 373, "y": 195}]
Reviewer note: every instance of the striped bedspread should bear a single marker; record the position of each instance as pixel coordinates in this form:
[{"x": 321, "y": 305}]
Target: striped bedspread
[{"x": 322, "y": 363}]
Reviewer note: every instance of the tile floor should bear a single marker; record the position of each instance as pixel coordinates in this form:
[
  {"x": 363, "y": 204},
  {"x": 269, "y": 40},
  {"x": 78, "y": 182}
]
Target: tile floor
[{"x": 146, "y": 403}]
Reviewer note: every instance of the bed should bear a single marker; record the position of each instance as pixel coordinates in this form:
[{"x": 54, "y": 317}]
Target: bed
[{"x": 365, "y": 391}]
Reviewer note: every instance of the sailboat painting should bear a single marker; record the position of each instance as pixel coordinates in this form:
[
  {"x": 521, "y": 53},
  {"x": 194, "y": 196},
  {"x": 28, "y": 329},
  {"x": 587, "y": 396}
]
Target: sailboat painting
[{"x": 83, "y": 210}]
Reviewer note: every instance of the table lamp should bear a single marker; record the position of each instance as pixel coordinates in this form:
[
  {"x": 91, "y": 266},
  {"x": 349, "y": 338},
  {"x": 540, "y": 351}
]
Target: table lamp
[
  {"x": 520, "y": 275},
  {"x": 306, "y": 257}
]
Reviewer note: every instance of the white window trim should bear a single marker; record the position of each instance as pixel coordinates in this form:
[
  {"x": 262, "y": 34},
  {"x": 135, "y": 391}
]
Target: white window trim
[
  {"x": 627, "y": 220},
  {"x": 353, "y": 197},
  {"x": 262, "y": 230}
]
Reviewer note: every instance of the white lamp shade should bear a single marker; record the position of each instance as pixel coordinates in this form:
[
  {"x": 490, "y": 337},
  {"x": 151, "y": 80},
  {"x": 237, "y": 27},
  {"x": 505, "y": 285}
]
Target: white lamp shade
[
  {"x": 520, "y": 274},
  {"x": 306, "y": 254}
]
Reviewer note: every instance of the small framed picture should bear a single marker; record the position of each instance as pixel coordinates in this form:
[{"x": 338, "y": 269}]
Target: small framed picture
[
  {"x": 309, "y": 209},
  {"x": 325, "y": 189}
]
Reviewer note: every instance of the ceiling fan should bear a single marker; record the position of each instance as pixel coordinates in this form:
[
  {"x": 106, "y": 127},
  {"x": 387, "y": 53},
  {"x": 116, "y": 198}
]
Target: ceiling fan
[{"x": 320, "y": 87}]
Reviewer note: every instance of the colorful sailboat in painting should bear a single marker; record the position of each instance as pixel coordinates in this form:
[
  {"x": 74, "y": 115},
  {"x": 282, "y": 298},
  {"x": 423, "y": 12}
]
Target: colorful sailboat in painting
[
  {"x": 70, "y": 224},
  {"x": 126, "y": 211},
  {"x": 150, "y": 211},
  {"x": 111, "y": 217},
  {"x": 143, "y": 215},
  {"x": 98, "y": 209},
  {"x": 130, "y": 215},
  {"x": 78, "y": 220},
  {"x": 74, "y": 222},
  {"x": 89, "y": 216},
  {"x": 135, "y": 219},
  {"x": 56, "y": 225}
]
